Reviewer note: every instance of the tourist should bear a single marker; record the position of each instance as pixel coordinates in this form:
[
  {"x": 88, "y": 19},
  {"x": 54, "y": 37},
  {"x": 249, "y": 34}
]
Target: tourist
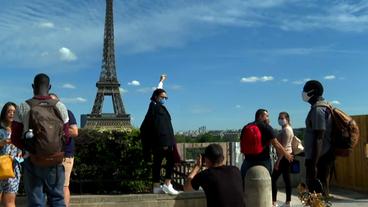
[
  {"x": 9, "y": 187},
  {"x": 267, "y": 136},
  {"x": 319, "y": 155},
  {"x": 282, "y": 165},
  {"x": 221, "y": 184},
  {"x": 43, "y": 174},
  {"x": 158, "y": 137},
  {"x": 69, "y": 152}
]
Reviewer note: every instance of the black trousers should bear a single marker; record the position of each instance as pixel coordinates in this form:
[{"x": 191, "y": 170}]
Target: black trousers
[
  {"x": 318, "y": 174},
  {"x": 158, "y": 156},
  {"x": 284, "y": 169}
]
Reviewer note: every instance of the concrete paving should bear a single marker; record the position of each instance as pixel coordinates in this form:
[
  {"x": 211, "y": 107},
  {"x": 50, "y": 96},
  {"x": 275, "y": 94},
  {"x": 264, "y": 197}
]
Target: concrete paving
[{"x": 341, "y": 198}]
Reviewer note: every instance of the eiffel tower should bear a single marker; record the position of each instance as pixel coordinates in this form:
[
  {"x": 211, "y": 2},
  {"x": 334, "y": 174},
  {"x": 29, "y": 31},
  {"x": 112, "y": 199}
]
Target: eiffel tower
[{"x": 108, "y": 84}]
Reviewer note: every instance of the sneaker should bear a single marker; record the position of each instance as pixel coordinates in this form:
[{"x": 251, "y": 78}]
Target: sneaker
[
  {"x": 158, "y": 190},
  {"x": 169, "y": 189}
]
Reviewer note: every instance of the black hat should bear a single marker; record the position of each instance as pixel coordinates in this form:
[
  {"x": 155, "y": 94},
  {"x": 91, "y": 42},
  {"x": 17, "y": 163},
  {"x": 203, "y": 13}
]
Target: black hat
[{"x": 314, "y": 86}]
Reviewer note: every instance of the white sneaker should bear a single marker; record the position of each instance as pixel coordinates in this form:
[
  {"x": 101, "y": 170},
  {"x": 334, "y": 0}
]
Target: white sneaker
[
  {"x": 168, "y": 189},
  {"x": 158, "y": 190}
]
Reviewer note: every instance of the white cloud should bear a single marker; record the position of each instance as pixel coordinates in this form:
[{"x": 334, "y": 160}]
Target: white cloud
[
  {"x": 146, "y": 89},
  {"x": 74, "y": 100},
  {"x": 237, "y": 106},
  {"x": 175, "y": 23},
  {"x": 122, "y": 90},
  {"x": 68, "y": 86},
  {"x": 336, "y": 102},
  {"x": 134, "y": 83},
  {"x": 46, "y": 25},
  {"x": 344, "y": 16},
  {"x": 284, "y": 80},
  {"x": 176, "y": 87},
  {"x": 253, "y": 79},
  {"x": 300, "y": 82},
  {"x": 66, "y": 54},
  {"x": 329, "y": 77}
]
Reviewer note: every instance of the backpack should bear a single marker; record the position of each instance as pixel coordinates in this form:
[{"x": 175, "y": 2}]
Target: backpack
[
  {"x": 251, "y": 140},
  {"x": 47, "y": 145},
  {"x": 345, "y": 131}
]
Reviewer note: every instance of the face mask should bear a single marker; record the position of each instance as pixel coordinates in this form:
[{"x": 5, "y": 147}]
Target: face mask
[
  {"x": 305, "y": 96},
  {"x": 162, "y": 101},
  {"x": 282, "y": 122}
]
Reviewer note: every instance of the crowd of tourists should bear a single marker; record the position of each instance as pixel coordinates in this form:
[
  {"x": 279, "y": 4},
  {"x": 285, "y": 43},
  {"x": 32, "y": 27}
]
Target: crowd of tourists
[{"x": 39, "y": 133}]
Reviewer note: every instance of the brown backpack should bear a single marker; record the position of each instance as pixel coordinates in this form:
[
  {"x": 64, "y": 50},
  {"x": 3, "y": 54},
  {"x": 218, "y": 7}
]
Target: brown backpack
[
  {"x": 345, "y": 131},
  {"x": 47, "y": 145}
]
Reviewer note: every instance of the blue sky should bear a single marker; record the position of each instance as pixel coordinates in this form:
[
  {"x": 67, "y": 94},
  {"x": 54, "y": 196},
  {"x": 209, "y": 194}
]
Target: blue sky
[{"x": 224, "y": 59}]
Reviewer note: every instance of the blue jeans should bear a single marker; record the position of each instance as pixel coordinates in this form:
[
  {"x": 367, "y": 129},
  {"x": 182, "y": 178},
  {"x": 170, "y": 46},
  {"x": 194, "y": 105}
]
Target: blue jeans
[
  {"x": 40, "y": 182},
  {"x": 250, "y": 163}
]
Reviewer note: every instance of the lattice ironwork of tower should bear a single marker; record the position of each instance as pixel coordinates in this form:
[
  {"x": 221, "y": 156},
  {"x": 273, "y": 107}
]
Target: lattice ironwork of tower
[{"x": 108, "y": 84}]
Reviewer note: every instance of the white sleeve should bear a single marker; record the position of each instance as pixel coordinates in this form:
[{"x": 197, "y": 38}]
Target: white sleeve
[
  {"x": 21, "y": 113},
  {"x": 63, "y": 112},
  {"x": 160, "y": 85}
]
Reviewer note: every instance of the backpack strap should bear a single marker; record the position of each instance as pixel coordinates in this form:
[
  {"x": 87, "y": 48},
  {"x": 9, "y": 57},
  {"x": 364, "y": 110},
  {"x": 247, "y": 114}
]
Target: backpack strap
[
  {"x": 323, "y": 104},
  {"x": 326, "y": 104}
]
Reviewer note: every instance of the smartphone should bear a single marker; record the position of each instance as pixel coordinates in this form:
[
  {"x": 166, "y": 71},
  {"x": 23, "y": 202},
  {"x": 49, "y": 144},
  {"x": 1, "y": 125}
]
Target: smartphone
[{"x": 203, "y": 159}]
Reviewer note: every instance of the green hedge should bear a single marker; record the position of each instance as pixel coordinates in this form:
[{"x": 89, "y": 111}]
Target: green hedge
[{"x": 110, "y": 162}]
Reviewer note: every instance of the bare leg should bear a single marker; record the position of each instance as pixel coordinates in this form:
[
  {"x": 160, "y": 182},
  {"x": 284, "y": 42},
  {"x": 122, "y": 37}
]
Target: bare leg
[
  {"x": 167, "y": 182},
  {"x": 67, "y": 196},
  {"x": 8, "y": 199}
]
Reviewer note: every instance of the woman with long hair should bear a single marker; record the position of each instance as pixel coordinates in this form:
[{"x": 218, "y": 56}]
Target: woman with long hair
[
  {"x": 282, "y": 165},
  {"x": 9, "y": 187}
]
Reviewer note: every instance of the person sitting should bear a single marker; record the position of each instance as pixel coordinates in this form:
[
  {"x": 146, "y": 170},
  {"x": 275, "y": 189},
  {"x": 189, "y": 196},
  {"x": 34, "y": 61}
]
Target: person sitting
[{"x": 221, "y": 184}]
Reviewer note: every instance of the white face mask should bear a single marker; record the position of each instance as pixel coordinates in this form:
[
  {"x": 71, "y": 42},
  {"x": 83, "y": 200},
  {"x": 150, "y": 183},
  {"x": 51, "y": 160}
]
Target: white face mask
[
  {"x": 282, "y": 122},
  {"x": 305, "y": 96}
]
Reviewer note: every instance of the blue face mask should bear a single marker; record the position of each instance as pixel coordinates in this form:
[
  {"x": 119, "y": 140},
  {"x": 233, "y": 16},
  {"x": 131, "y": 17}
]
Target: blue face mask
[{"x": 162, "y": 101}]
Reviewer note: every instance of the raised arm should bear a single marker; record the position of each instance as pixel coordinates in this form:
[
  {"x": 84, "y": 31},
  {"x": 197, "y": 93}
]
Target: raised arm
[{"x": 197, "y": 167}]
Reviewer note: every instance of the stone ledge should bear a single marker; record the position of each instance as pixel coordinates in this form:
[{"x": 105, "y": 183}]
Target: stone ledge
[{"x": 192, "y": 199}]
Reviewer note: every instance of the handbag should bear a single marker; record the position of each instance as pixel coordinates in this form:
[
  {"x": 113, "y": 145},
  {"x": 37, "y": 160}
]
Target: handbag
[
  {"x": 296, "y": 145},
  {"x": 295, "y": 167},
  {"x": 6, "y": 167}
]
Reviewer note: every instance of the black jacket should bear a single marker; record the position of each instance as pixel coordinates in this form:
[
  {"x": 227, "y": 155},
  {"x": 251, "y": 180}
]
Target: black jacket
[{"x": 156, "y": 129}]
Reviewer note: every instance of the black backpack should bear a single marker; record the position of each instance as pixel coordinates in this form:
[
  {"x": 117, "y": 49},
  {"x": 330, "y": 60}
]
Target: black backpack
[{"x": 47, "y": 145}]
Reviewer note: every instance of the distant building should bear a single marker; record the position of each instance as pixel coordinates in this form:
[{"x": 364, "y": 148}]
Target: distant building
[{"x": 202, "y": 130}]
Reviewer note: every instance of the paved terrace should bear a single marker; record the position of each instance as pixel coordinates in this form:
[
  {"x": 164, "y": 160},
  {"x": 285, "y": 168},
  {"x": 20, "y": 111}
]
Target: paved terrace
[{"x": 341, "y": 198}]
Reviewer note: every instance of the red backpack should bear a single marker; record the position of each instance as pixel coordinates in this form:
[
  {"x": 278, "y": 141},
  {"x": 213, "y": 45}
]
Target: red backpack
[{"x": 251, "y": 140}]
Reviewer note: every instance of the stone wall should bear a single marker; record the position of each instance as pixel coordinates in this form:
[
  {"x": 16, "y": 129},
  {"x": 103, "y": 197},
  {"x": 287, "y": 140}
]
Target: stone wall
[{"x": 192, "y": 199}]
